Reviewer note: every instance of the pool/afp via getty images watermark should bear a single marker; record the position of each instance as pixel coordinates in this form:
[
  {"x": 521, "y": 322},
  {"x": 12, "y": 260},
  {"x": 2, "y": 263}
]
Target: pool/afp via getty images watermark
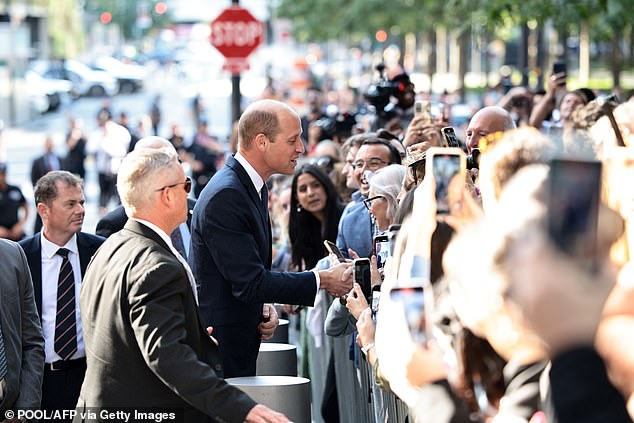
[{"x": 113, "y": 415}]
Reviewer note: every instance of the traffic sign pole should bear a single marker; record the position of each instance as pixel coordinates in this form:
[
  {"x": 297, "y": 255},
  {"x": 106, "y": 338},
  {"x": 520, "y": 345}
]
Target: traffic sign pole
[
  {"x": 236, "y": 95},
  {"x": 236, "y": 33}
]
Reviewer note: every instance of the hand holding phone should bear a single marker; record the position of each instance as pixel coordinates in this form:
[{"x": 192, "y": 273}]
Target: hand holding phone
[
  {"x": 361, "y": 275},
  {"x": 333, "y": 249},
  {"x": 573, "y": 207},
  {"x": 422, "y": 110},
  {"x": 446, "y": 164},
  {"x": 413, "y": 303},
  {"x": 381, "y": 250},
  {"x": 450, "y": 136}
]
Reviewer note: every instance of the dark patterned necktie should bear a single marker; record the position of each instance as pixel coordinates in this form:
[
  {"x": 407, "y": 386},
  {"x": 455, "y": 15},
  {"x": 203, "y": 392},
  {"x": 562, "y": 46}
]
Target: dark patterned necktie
[
  {"x": 3, "y": 358},
  {"x": 65, "y": 321},
  {"x": 177, "y": 241}
]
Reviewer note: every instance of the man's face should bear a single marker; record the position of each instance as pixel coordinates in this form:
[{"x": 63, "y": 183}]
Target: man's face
[
  {"x": 66, "y": 213},
  {"x": 482, "y": 124},
  {"x": 48, "y": 145},
  {"x": 569, "y": 104},
  {"x": 281, "y": 154},
  {"x": 348, "y": 168},
  {"x": 370, "y": 157}
]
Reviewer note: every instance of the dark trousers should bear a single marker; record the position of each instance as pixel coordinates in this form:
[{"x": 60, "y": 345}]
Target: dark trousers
[
  {"x": 107, "y": 189},
  {"x": 60, "y": 388},
  {"x": 238, "y": 350}
]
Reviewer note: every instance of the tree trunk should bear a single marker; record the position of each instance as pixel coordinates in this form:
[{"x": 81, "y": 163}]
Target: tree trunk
[
  {"x": 523, "y": 59},
  {"x": 485, "y": 51},
  {"x": 584, "y": 54},
  {"x": 431, "y": 64},
  {"x": 541, "y": 56},
  {"x": 464, "y": 40},
  {"x": 616, "y": 59}
]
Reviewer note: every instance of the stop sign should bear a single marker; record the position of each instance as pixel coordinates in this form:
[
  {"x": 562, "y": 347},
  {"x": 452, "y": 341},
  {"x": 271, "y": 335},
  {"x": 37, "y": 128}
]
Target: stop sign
[{"x": 236, "y": 33}]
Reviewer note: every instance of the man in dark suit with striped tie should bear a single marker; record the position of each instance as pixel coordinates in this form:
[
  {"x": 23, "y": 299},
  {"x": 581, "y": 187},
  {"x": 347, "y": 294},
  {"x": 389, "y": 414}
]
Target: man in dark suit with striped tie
[{"x": 58, "y": 257}]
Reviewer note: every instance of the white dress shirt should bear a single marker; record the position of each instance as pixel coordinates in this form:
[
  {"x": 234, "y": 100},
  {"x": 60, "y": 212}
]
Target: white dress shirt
[
  {"x": 51, "y": 264},
  {"x": 258, "y": 183},
  {"x": 180, "y": 258}
]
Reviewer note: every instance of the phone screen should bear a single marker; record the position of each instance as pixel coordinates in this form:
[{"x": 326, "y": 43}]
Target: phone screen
[
  {"x": 445, "y": 166},
  {"x": 413, "y": 303},
  {"x": 573, "y": 207},
  {"x": 362, "y": 276},
  {"x": 381, "y": 250},
  {"x": 450, "y": 136}
]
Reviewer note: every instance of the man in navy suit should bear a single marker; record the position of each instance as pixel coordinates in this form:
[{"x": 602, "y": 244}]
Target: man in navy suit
[
  {"x": 58, "y": 257},
  {"x": 230, "y": 252}
]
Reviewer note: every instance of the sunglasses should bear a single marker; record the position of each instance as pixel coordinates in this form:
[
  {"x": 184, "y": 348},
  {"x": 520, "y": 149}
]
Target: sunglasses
[{"x": 187, "y": 185}]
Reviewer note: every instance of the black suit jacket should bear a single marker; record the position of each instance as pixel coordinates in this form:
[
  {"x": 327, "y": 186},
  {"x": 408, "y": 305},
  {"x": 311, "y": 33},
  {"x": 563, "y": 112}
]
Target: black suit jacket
[
  {"x": 230, "y": 255},
  {"x": 40, "y": 167},
  {"x": 87, "y": 244},
  {"x": 116, "y": 219},
  {"x": 145, "y": 343}
]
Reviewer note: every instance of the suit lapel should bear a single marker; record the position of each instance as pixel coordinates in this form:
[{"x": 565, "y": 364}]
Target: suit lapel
[
  {"x": 85, "y": 253},
  {"x": 246, "y": 181},
  {"x": 34, "y": 258}
]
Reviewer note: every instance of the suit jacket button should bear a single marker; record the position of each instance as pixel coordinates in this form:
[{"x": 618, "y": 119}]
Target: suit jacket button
[{"x": 218, "y": 367}]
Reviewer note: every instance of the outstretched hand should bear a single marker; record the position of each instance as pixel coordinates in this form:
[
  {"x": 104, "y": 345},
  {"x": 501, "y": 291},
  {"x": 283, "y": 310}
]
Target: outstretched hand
[{"x": 263, "y": 414}]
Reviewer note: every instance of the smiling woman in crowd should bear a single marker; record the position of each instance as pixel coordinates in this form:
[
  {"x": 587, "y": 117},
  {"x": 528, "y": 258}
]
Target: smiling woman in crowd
[{"x": 314, "y": 216}]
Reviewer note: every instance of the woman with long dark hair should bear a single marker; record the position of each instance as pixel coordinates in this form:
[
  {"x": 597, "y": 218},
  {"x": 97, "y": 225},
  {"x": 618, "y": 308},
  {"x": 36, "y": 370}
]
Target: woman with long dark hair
[{"x": 314, "y": 217}]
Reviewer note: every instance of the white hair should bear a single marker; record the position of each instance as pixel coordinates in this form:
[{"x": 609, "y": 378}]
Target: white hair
[
  {"x": 136, "y": 174},
  {"x": 387, "y": 182}
]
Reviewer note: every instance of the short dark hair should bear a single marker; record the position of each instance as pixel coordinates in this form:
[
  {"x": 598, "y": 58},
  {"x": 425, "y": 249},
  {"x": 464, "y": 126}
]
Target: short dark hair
[
  {"x": 395, "y": 155},
  {"x": 46, "y": 186},
  {"x": 257, "y": 121}
]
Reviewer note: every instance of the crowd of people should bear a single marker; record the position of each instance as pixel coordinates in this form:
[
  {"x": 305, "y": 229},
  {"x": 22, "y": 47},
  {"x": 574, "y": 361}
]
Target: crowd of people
[{"x": 503, "y": 296}]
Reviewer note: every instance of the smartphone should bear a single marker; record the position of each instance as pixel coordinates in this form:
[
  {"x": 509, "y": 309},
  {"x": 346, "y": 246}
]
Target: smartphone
[
  {"x": 333, "y": 249},
  {"x": 559, "y": 67},
  {"x": 413, "y": 303},
  {"x": 381, "y": 249},
  {"x": 445, "y": 164},
  {"x": 362, "y": 276},
  {"x": 392, "y": 233},
  {"x": 450, "y": 136},
  {"x": 573, "y": 207},
  {"x": 423, "y": 108}
]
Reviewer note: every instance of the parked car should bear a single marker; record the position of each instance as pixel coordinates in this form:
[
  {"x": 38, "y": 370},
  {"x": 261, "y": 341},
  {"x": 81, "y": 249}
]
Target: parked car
[
  {"x": 86, "y": 81},
  {"x": 47, "y": 95},
  {"x": 130, "y": 77}
]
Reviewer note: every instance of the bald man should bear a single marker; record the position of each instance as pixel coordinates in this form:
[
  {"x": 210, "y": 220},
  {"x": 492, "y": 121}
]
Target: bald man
[
  {"x": 231, "y": 239},
  {"x": 487, "y": 120}
]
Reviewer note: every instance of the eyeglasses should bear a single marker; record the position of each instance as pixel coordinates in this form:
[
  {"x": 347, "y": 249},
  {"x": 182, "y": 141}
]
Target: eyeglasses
[
  {"x": 368, "y": 202},
  {"x": 372, "y": 164},
  {"x": 187, "y": 186}
]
